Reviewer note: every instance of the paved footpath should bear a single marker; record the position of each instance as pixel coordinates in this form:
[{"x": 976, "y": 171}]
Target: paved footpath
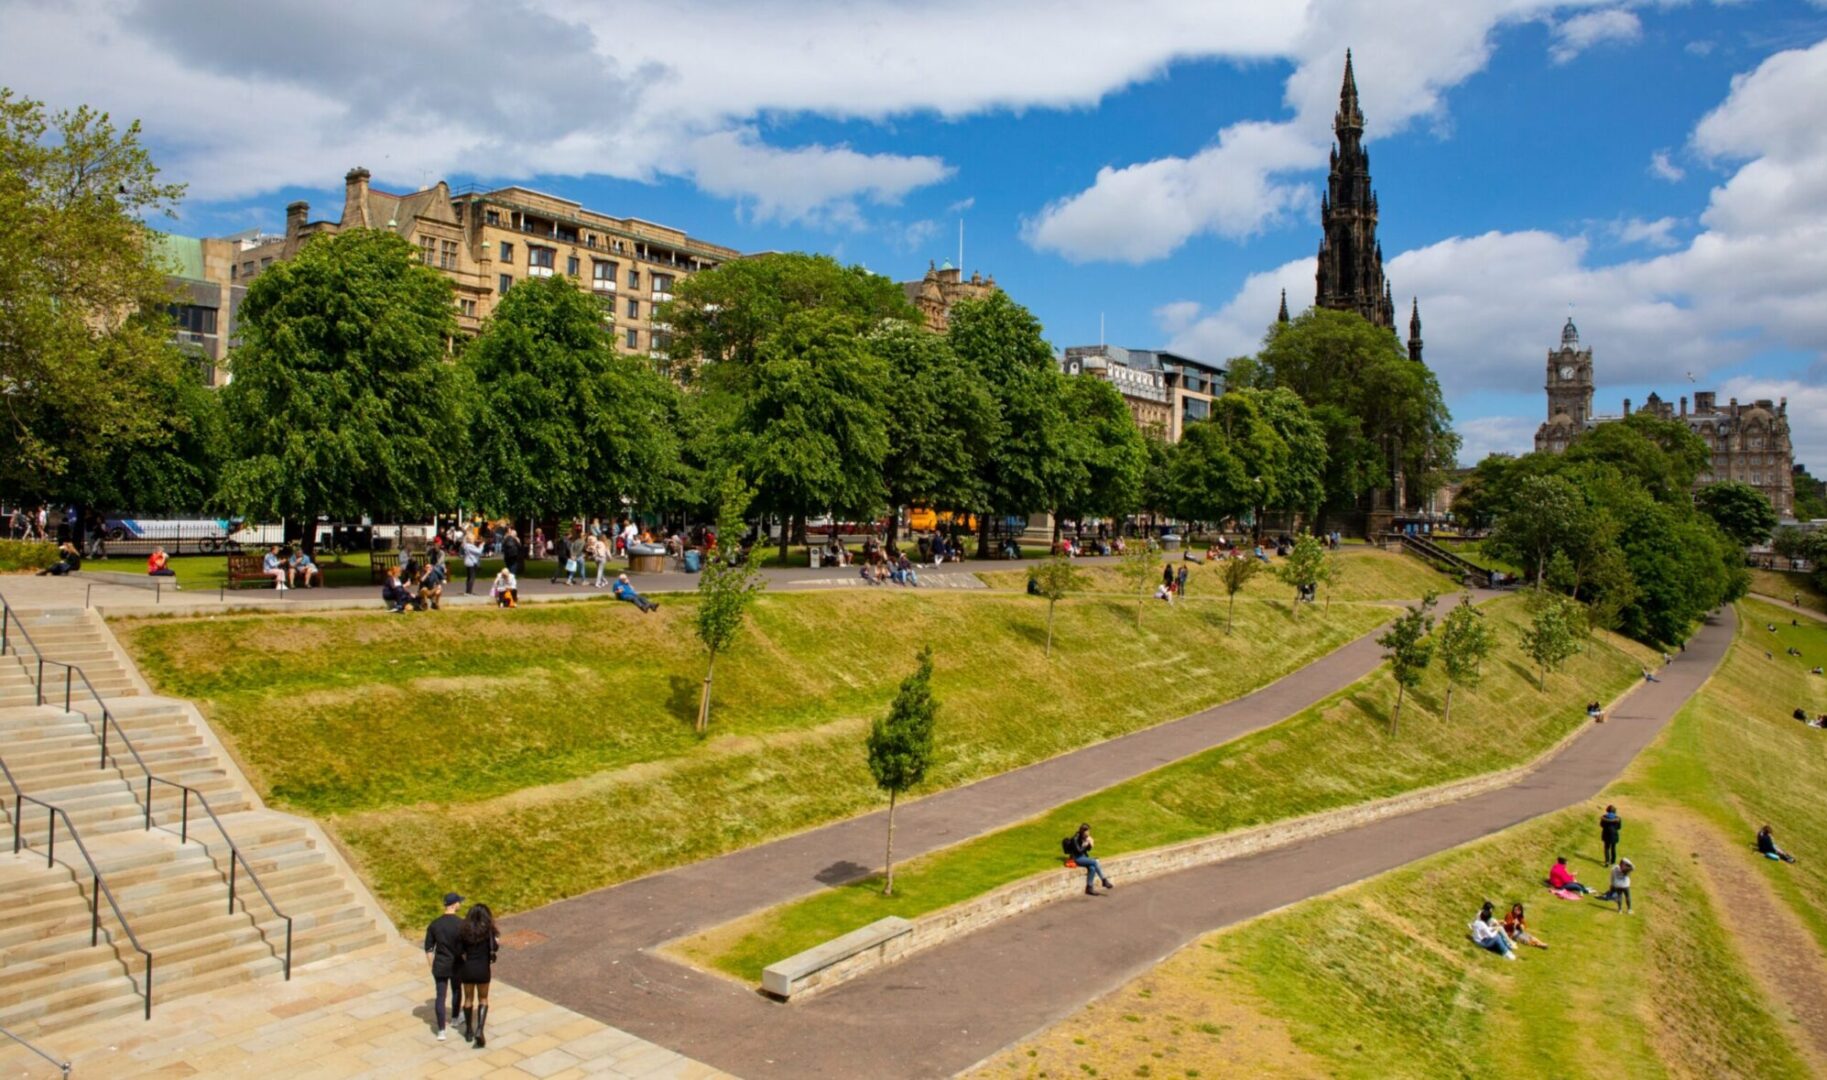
[{"x": 948, "y": 1008}]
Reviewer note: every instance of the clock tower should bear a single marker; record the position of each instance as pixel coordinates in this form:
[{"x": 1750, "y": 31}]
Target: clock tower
[{"x": 1569, "y": 392}]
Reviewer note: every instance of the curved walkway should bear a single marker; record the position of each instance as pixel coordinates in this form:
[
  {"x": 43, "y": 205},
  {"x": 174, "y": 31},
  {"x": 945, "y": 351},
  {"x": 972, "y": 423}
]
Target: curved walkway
[{"x": 953, "y": 1005}]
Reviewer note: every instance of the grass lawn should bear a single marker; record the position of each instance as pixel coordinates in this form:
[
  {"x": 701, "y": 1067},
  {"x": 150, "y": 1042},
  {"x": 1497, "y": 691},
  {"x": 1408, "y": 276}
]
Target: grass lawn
[
  {"x": 532, "y": 755},
  {"x": 1364, "y": 574},
  {"x": 1710, "y": 978},
  {"x": 211, "y": 571},
  {"x": 1785, "y": 585},
  {"x": 1335, "y": 754}
]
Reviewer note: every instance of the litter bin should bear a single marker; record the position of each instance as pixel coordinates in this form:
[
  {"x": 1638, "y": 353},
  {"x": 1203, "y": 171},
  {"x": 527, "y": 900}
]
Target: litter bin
[
  {"x": 1170, "y": 542},
  {"x": 647, "y": 562},
  {"x": 694, "y": 561}
]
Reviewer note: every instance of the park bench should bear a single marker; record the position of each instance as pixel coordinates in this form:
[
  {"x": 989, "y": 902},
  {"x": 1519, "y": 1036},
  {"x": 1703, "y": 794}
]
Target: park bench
[
  {"x": 805, "y": 971},
  {"x": 245, "y": 570}
]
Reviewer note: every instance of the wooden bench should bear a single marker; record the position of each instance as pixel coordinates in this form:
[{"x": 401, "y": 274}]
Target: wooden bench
[{"x": 245, "y": 570}]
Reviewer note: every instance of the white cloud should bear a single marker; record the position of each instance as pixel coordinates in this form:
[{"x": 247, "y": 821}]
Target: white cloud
[
  {"x": 962, "y": 205},
  {"x": 1176, "y": 315},
  {"x": 1574, "y": 36},
  {"x": 1753, "y": 279},
  {"x": 807, "y": 182},
  {"x": 1656, "y": 234},
  {"x": 1700, "y": 47},
  {"x": 1663, "y": 167},
  {"x": 1487, "y": 435}
]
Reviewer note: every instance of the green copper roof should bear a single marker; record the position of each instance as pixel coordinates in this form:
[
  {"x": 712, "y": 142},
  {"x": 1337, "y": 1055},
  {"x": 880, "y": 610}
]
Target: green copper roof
[{"x": 182, "y": 256}]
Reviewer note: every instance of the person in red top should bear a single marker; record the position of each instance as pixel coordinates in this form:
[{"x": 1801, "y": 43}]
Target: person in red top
[
  {"x": 158, "y": 564},
  {"x": 1561, "y": 877}
]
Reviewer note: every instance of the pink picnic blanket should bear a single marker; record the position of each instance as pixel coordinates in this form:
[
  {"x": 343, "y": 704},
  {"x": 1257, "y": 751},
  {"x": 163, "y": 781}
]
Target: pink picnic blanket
[{"x": 1566, "y": 894}]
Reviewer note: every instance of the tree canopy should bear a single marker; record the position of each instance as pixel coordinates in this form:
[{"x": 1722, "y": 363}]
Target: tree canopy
[{"x": 1740, "y": 510}]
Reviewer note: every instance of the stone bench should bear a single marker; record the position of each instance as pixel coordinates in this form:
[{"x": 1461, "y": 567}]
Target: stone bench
[
  {"x": 116, "y": 577},
  {"x": 805, "y": 971}
]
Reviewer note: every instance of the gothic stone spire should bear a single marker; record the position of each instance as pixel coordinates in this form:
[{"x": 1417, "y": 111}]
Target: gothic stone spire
[
  {"x": 1414, "y": 329},
  {"x": 1350, "y": 275},
  {"x": 1282, "y": 317}
]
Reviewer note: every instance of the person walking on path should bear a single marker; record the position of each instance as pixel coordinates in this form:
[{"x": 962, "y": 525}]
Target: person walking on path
[
  {"x": 481, "y": 946},
  {"x": 1620, "y": 886},
  {"x": 472, "y": 558},
  {"x": 1078, "y": 850},
  {"x": 443, "y": 947},
  {"x": 599, "y": 551},
  {"x": 513, "y": 552},
  {"x": 1610, "y": 824}
]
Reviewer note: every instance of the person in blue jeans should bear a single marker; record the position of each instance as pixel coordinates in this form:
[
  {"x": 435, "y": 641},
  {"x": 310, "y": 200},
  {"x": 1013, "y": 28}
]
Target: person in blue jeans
[
  {"x": 1487, "y": 933},
  {"x": 1078, "y": 848},
  {"x": 443, "y": 949},
  {"x": 624, "y": 591}
]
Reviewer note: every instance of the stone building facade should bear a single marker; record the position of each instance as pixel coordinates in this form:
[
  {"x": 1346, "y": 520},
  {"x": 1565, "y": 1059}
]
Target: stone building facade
[
  {"x": 1164, "y": 391},
  {"x": 942, "y": 287},
  {"x": 485, "y": 241},
  {"x": 1749, "y": 443}
]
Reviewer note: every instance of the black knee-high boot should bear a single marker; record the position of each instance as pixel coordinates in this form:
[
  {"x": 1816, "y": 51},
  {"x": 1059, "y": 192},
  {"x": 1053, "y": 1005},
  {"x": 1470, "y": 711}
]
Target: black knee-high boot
[
  {"x": 469, "y": 1028},
  {"x": 481, "y": 1022}
]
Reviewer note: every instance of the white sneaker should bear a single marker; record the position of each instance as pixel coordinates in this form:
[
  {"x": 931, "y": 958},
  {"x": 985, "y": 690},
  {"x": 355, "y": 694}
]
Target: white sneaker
[
  {"x": 440, "y": 1034},
  {"x": 1506, "y": 956}
]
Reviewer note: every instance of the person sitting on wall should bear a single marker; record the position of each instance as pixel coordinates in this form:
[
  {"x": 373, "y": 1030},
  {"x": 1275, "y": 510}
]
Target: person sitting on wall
[{"x": 394, "y": 594}]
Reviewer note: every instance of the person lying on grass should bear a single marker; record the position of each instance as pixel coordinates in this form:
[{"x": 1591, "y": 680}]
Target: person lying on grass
[
  {"x": 1766, "y": 846},
  {"x": 1515, "y": 926},
  {"x": 1488, "y": 934},
  {"x": 1560, "y": 878}
]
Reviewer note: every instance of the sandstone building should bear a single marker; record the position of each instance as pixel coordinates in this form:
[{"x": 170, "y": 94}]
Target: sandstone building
[
  {"x": 1749, "y": 443},
  {"x": 485, "y": 241},
  {"x": 1164, "y": 391},
  {"x": 942, "y": 287}
]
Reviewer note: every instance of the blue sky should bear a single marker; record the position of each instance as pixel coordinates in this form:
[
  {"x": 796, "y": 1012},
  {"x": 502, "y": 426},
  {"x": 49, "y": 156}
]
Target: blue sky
[{"x": 1659, "y": 165}]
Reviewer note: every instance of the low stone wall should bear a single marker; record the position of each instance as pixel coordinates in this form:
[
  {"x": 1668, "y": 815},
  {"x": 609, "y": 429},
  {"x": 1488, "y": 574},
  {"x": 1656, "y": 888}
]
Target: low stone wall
[{"x": 1021, "y": 896}]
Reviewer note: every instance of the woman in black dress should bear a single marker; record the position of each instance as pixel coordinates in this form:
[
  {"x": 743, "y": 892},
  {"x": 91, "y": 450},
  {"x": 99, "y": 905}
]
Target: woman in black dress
[{"x": 481, "y": 943}]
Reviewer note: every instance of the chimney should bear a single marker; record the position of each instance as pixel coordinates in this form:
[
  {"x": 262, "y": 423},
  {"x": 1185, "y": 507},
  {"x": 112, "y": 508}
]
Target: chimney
[
  {"x": 355, "y": 199},
  {"x": 1703, "y": 402},
  {"x": 1684, "y": 406},
  {"x": 1782, "y": 405},
  {"x": 295, "y": 215},
  {"x": 1626, "y": 406}
]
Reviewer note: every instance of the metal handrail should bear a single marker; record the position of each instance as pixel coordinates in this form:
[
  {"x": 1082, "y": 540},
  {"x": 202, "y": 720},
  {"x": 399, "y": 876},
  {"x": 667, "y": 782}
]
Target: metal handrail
[
  {"x": 61, "y": 1066},
  {"x": 73, "y": 672},
  {"x": 52, "y": 813}
]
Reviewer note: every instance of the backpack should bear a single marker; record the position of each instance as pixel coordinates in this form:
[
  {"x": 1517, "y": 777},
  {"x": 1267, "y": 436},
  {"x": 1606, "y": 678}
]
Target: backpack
[{"x": 1070, "y": 846}]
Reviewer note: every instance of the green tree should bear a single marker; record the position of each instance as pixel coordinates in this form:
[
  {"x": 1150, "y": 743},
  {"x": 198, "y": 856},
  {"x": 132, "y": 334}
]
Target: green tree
[
  {"x": 1140, "y": 565},
  {"x": 342, "y": 402},
  {"x": 1109, "y": 455},
  {"x": 1662, "y": 456},
  {"x": 174, "y": 468},
  {"x": 1465, "y": 642},
  {"x": 812, "y": 431},
  {"x": 1552, "y": 634},
  {"x": 1055, "y": 579},
  {"x": 1409, "y": 650},
  {"x": 726, "y": 589},
  {"x": 563, "y": 420},
  {"x": 1207, "y": 479},
  {"x": 1300, "y": 474},
  {"x": 1235, "y": 575},
  {"x": 1789, "y": 542},
  {"x": 1739, "y": 509},
  {"x": 87, "y": 368},
  {"x": 1303, "y": 568},
  {"x": 900, "y": 745},
  {"x": 1029, "y": 465},
  {"x": 1548, "y": 514},
  {"x": 941, "y": 420}
]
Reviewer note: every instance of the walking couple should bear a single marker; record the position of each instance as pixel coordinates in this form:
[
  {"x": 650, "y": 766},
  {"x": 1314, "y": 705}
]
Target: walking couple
[{"x": 461, "y": 951}]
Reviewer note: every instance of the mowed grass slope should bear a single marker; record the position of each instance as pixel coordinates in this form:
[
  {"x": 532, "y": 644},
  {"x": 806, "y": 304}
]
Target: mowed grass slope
[
  {"x": 1787, "y": 586},
  {"x": 1714, "y": 976},
  {"x": 1364, "y": 574},
  {"x": 531, "y": 755},
  {"x": 1338, "y": 753}
]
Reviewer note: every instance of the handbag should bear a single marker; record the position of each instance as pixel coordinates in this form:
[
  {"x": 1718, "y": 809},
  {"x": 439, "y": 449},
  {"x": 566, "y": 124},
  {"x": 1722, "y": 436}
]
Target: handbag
[{"x": 570, "y": 566}]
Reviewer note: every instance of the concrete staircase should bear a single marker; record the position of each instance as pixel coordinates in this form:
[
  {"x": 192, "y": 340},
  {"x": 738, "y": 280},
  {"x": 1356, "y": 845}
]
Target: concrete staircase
[{"x": 174, "y": 894}]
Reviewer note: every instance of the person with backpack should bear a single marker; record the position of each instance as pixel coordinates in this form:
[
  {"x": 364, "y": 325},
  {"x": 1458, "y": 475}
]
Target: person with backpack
[{"x": 1078, "y": 853}]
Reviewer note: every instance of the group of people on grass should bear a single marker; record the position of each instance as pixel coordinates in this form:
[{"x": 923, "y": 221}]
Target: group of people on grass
[
  {"x": 1173, "y": 583},
  {"x": 461, "y": 950},
  {"x": 1503, "y": 936}
]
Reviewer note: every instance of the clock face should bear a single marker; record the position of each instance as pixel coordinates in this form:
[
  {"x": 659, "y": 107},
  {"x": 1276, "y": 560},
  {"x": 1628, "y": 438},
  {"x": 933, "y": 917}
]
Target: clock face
[{"x": 1567, "y": 372}]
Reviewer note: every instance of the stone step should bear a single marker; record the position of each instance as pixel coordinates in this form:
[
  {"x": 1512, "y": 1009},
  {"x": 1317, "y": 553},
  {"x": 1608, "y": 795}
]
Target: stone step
[{"x": 65, "y": 1008}]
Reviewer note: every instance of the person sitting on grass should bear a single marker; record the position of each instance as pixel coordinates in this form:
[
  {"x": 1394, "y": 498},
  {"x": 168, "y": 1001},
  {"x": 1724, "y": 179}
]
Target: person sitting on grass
[
  {"x": 1800, "y": 714},
  {"x": 1766, "y": 846},
  {"x": 1596, "y": 711},
  {"x": 1078, "y": 853},
  {"x": 158, "y": 564},
  {"x": 1560, "y": 878},
  {"x": 305, "y": 570},
  {"x": 506, "y": 589},
  {"x": 68, "y": 561},
  {"x": 624, "y": 591},
  {"x": 1518, "y": 931},
  {"x": 1487, "y": 933},
  {"x": 394, "y": 594},
  {"x": 1619, "y": 892}
]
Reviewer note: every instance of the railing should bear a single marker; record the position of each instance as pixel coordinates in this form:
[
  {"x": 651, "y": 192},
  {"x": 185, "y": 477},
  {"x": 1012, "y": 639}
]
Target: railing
[
  {"x": 62, "y": 1066},
  {"x": 1440, "y": 556},
  {"x": 100, "y": 890},
  {"x": 11, "y": 630}
]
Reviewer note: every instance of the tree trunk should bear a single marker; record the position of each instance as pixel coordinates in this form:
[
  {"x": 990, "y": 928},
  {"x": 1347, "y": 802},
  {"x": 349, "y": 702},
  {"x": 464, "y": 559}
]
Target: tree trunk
[
  {"x": 1447, "y": 716},
  {"x": 1541, "y": 680},
  {"x": 894, "y": 534},
  {"x": 1395, "y": 722},
  {"x": 888, "y": 887},
  {"x": 1050, "y": 604},
  {"x": 983, "y": 535},
  {"x": 1229, "y": 610},
  {"x": 786, "y": 536},
  {"x": 704, "y": 702}
]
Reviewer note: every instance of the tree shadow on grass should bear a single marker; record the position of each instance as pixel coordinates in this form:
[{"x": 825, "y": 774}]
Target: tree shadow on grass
[
  {"x": 682, "y": 699},
  {"x": 1034, "y": 632},
  {"x": 1528, "y": 674},
  {"x": 1373, "y": 710}
]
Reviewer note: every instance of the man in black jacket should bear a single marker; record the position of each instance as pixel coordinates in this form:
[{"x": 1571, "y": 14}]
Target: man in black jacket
[
  {"x": 513, "y": 553},
  {"x": 443, "y": 945}
]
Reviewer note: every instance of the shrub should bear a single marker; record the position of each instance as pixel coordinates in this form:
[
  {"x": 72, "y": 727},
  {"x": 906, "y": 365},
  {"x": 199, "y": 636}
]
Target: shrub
[{"x": 21, "y": 555}]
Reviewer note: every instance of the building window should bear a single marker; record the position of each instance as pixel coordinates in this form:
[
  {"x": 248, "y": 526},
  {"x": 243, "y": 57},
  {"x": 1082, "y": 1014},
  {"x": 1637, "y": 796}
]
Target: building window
[
  {"x": 506, "y": 283},
  {"x": 233, "y": 271},
  {"x": 634, "y": 339},
  {"x": 428, "y": 250},
  {"x": 540, "y": 261},
  {"x": 247, "y": 268},
  {"x": 194, "y": 318},
  {"x": 571, "y": 265},
  {"x": 493, "y": 218},
  {"x": 634, "y": 279},
  {"x": 466, "y": 307},
  {"x": 602, "y": 275},
  {"x": 634, "y": 308},
  {"x": 662, "y": 287},
  {"x": 507, "y": 252}
]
